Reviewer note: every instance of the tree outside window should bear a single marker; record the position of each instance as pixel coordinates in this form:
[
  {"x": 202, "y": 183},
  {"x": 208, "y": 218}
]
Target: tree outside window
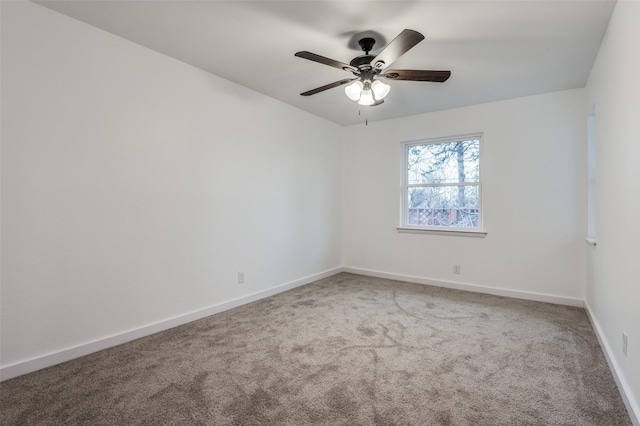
[{"x": 441, "y": 187}]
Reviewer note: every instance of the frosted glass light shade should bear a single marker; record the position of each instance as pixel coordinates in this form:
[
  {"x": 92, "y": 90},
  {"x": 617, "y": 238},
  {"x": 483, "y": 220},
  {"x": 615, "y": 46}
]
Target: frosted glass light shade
[
  {"x": 353, "y": 90},
  {"x": 366, "y": 98},
  {"x": 380, "y": 90}
]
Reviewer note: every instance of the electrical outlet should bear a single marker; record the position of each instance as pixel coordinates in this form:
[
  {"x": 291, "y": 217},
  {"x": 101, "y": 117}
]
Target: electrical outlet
[
  {"x": 456, "y": 268},
  {"x": 240, "y": 277},
  {"x": 624, "y": 343}
]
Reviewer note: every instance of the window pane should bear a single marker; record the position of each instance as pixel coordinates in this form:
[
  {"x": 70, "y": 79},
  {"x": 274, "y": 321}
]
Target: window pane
[
  {"x": 454, "y": 206},
  {"x": 448, "y": 162}
]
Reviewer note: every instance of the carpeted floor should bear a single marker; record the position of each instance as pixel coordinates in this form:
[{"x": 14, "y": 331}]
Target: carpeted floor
[{"x": 346, "y": 350}]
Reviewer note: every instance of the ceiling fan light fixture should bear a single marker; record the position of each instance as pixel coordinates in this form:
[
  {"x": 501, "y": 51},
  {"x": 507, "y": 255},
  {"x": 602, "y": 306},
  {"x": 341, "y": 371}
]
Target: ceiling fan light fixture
[
  {"x": 354, "y": 90},
  {"x": 364, "y": 88},
  {"x": 366, "y": 98},
  {"x": 380, "y": 90}
]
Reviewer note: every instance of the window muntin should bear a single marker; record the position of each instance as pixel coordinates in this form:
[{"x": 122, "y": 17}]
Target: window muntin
[{"x": 441, "y": 184}]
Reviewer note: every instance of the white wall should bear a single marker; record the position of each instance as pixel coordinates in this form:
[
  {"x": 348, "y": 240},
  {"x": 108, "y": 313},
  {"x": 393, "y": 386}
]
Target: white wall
[
  {"x": 613, "y": 289},
  {"x": 532, "y": 167},
  {"x": 135, "y": 187}
]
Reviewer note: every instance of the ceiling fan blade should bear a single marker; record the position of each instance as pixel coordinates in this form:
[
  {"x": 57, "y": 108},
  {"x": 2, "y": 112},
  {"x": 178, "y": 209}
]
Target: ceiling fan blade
[
  {"x": 398, "y": 46},
  {"x": 327, "y": 61},
  {"x": 327, "y": 86},
  {"x": 376, "y": 103},
  {"x": 417, "y": 75}
]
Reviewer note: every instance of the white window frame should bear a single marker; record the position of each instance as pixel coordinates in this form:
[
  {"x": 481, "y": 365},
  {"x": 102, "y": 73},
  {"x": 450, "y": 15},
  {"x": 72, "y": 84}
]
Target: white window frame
[
  {"x": 439, "y": 230},
  {"x": 591, "y": 177}
]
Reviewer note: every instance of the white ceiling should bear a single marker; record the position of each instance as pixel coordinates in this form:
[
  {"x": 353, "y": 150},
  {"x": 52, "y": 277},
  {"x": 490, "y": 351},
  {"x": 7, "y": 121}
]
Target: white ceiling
[{"x": 494, "y": 49}]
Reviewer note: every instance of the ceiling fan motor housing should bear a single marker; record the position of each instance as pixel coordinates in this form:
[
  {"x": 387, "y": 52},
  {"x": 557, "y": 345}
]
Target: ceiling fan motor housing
[{"x": 363, "y": 63}]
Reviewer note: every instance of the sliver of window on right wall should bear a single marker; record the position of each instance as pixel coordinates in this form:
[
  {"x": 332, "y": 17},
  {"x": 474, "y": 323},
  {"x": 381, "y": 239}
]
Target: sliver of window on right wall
[{"x": 591, "y": 176}]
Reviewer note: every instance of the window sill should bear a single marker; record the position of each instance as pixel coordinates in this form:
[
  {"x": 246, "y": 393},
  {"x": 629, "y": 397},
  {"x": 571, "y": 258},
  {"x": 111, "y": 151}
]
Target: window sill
[
  {"x": 457, "y": 233},
  {"x": 591, "y": 241}
]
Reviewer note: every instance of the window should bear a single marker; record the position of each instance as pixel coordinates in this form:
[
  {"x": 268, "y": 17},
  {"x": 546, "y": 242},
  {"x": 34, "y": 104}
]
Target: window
[
  {"x": 591, "y": 177},
  {"x": 441, "y": 185}
]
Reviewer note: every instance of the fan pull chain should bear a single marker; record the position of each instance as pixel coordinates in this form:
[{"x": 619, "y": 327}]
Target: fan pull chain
[{"x": 366, "y": 119}]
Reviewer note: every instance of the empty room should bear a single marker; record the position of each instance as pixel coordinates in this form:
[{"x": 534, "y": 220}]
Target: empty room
[{"x": 320, "y": 212}]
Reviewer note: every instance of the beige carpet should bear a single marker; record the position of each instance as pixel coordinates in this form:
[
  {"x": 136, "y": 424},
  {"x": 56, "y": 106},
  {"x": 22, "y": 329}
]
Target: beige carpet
[{"x": 347, "y": 350}]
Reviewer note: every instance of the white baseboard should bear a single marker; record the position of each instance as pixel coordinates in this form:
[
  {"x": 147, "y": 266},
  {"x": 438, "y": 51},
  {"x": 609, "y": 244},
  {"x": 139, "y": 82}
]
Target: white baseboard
[
  {"x": 623, "y": 386},
  {"x": 48, "y": 360},
  {"x": 516, "y": 294}
]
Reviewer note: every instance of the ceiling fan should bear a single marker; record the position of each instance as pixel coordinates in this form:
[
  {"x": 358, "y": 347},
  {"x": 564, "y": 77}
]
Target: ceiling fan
[{"x": 366, "y": 87}]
